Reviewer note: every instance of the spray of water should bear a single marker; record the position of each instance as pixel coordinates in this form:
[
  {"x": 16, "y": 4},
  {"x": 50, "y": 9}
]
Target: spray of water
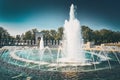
[
  {"x": 41, "y": 46},
  {"x": 72, "y": 40}
]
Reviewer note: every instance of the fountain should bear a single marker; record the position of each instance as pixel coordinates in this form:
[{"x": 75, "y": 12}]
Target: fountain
[
  {"x": 41, "y": 45},
  {"x": 72, "y": 40},
  {"x": 70, "y": 57}
]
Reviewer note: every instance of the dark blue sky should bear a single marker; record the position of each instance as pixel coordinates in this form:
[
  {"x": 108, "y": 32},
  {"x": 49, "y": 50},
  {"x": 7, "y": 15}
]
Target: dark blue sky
[{"x": 20, "y": 15}]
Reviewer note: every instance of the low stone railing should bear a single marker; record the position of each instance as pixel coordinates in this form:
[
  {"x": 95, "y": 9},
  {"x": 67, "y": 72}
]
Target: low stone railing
[{"x": 6, "y": 42}]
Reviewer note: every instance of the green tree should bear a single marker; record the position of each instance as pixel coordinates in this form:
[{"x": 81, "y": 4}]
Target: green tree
[
  {"x": 18, "y": 37},
  {"x": 97, "y": 37},
  {"x": 53, "y": 34},
  {"x": 33, "y": 33},
  {"x": 28, "y": 35},
  {"x": 4, "y": 34},
  {"x": 59, "y": 33},
  {"x": 46, "y": 34},
  {"x": 106, "y": 35},
  {"x": 115, "y": 36},
  {"x": 87, "y": 33}
]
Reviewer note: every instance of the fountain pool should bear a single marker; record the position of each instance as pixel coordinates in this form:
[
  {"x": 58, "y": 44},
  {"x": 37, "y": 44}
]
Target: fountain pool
[{"x": 52, "y": 60}]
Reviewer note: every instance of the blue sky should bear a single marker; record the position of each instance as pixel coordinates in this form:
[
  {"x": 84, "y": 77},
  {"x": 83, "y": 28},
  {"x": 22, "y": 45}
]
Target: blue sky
[{"x": 18, "y": 16}]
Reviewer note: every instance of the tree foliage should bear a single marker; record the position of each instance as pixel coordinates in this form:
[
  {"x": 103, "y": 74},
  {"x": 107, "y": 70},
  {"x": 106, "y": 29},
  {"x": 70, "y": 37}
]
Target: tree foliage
[
  {"x": 87, "y": 33},
  {"x": 100, "y": 36},
  {"x": 59, "y": 33},
  {"x": 53, "y": 34},
  {"x": 97, "y": 36},
  {"x": 4, "y": 34},
  {"x": 30, "y": 35}
]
